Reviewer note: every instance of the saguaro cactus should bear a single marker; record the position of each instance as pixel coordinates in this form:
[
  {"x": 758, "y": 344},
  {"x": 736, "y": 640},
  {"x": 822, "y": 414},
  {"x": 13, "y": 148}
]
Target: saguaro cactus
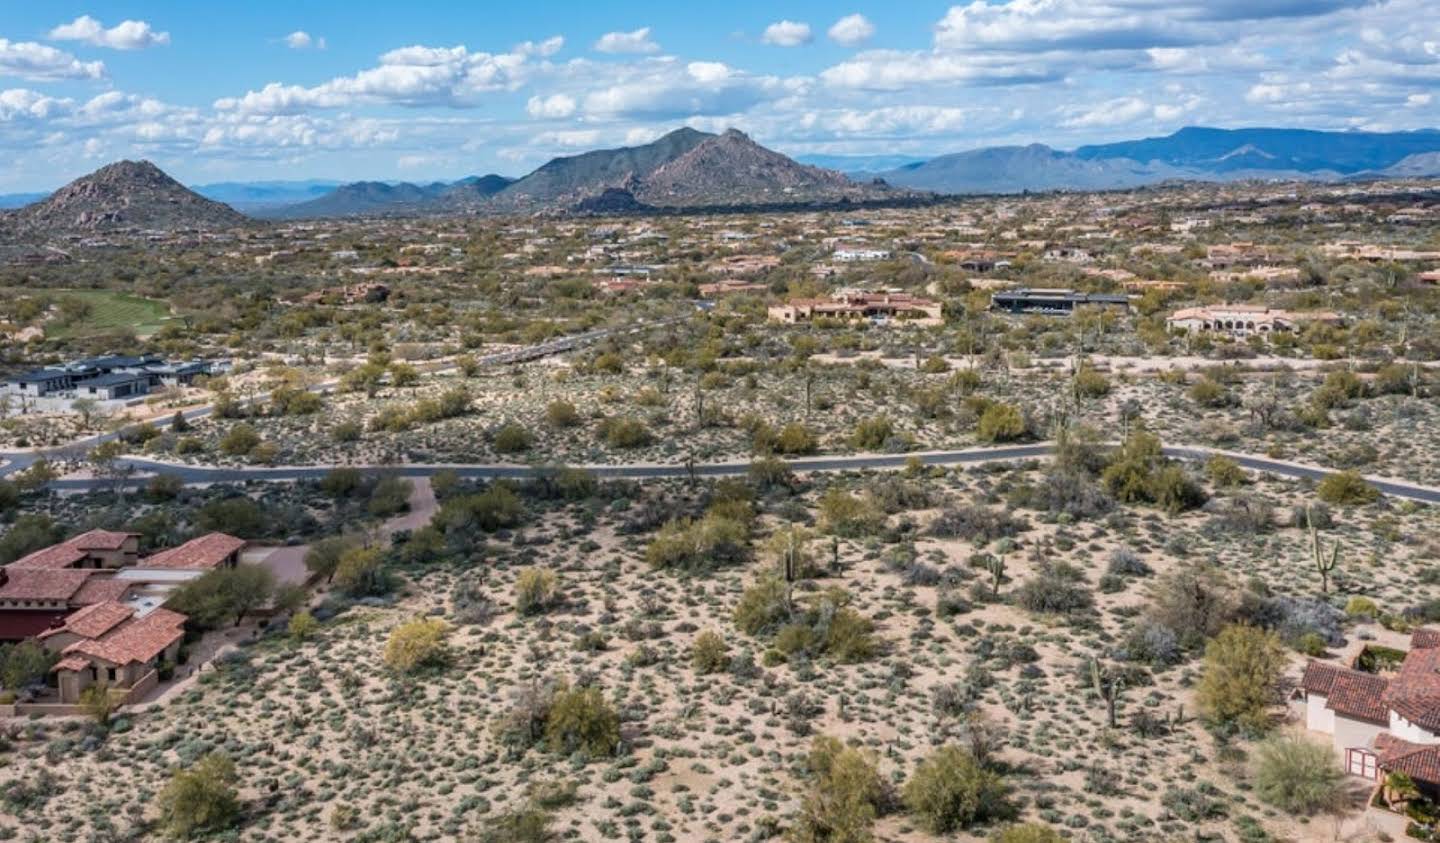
[{"x": 1324, "y": 563}]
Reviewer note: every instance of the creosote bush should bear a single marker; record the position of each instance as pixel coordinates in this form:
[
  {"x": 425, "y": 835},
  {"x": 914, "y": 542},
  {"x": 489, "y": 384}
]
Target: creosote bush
[
  {"x": 709, "y": 653},
  {"x": 417, "y": 644},
  {"x": 950, "y": 790},
  {"x": 536, "y": 589},
  {"x": 1297, "y": 775},
  {"x": 846, "y": 794},
  {"x": 201, "y": 799},
  {"x": 1346, "y": 488},
  {"x": 580, "y": 720}
]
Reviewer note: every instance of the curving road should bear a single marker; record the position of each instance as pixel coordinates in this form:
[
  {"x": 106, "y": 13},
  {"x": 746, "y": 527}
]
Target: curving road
[{"x": 195, "y": 475}]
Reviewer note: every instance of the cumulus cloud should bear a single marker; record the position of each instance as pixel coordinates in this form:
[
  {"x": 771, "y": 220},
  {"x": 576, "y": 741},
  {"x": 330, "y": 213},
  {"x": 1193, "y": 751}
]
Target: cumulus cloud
[
  {"x": 668, "y": 89},
  {"x": 851, "y": 30},
  {"x": 552, "y": 107},
  {"x": 302, "y": 40},
  {"x": 126, "y": 35},
  {"x": 638, "y": 41},
  {"x": 895, "y": 70},
  {"x": 787, "y": 33},
  {"x": 411, "y": 76},
  {"x": 29, "y": 60}
]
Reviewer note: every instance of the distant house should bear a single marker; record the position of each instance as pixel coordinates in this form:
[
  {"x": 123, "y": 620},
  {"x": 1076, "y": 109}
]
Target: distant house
[
  {"x": 859, "y": 255},
  {"x": 1382, "y": 724},
  {"x": 107, "y": 378},
  {"x": 861, "y": 305},
  {"x": 1054, "y": 302},
  {"x": 213, "y": 550},
  {"x": 114, "y": 386},
  {"x": 1243, "y": 320}
]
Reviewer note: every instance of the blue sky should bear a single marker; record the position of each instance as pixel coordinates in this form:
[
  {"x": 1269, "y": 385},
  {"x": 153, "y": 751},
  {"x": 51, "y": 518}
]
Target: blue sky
[{"x": 216, "y": 91}]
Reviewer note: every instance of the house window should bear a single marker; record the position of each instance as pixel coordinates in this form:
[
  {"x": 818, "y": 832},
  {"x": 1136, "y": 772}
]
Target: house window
[
  {"x": 110, "y": 673},
  {"x": 1362, "y": 762}
]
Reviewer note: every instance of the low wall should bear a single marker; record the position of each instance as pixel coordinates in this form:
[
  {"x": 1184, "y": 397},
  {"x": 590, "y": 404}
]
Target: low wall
[{"x": 134, "y": 694}]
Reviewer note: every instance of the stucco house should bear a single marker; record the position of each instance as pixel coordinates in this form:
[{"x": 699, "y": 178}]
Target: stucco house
[
  {"x": 1381, "y": 723},
  {"x": 109, "y": 646}
]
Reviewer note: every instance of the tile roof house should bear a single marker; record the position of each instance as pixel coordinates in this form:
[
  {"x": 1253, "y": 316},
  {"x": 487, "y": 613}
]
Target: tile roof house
[
  {"x": 1381, "y": 723},
  {"x": 124, "y": 653},
  {"x": 95, "y": 549},
  {"x": 212, "y": 550}
]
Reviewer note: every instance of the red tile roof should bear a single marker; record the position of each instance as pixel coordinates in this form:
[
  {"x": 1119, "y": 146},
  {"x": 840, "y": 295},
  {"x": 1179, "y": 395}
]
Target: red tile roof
[
  {"x": 1415, "y": 693},
  {"x": 94, "y": 620},
  {"x": 137, "y": 640},
  {"x": 1319, "y": 677},
  {"x": 207, "y": 551},
  {"x": 42, "y": 583},
  {"x": 1425, "y": 638},
  {"x": 1358, "y": 695},
  {"x": 99, "y": 589},
  {"x": 70, "y": 551},
  {"x": 1420, "y": 762}
]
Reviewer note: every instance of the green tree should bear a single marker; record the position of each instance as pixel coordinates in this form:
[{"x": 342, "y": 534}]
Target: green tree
[
  {"x": 950, "y": 790},
  {"x": 323, "y": 557},
  {"x": 302, "y": 626},
  {"x": 359, "y": 572},
  {"x": 201, "y": 799},
  {"x": 27, "y": 534},
  {"x": 24, "y": 664},
  {"x": 1239, "y": 677},
  {"x": 239, "y": 440}
]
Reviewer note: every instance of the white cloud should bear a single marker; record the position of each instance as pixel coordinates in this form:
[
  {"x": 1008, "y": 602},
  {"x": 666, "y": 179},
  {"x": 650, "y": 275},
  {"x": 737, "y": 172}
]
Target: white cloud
[
  {"x": 302, "y": 40},
  {"x": 638, "y": 41},
  {"x": 411, "y": 76},
  {"x": 29, "y": 60},
  {"x": 22, "y": 104},
  {"x": 126, "y": 35},
  {"x": 898, "y": 70},
  {"x": 1418, "y": 100},
  {"x": 666, "y": 89},
  {"x": 1115, "y": 112},
  {"x": 851, "y": 30},
  {"x": 552, "y": 107},
  {"x": 787, "y": 33}
]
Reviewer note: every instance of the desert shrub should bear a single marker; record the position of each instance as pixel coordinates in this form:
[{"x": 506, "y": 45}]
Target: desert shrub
[
  {"x": 1239, "y": 677},
  {"x": 417, "y": 644},
  {"x": 978, "y": 524},
  {"x": 1361, "y": 607},
  {"x": 512, "y": 439},
  {"x": 239, "y": 441},
  {"x": 527, "y": 824},
  {"x": 1224, "y": 472},
  {"x": 1153, "y": 643},
  {"x": 845, "y": 796},
  {"x": 1091, "y": 384},
  {"x": 700, "y": 545},
  {"x": 390, "y": 496},
  {"x": 1346, "y": 488},
  {"x": 1194, "y": 603},
  {"x": 1027, "y": 833},
  {"x": 1064, "y": 490},
  {"x": 762, "y": 607},
  {"x": 24, "y": 664},
  {"x": 1056, "y": 589},
  {"x": 795, "y": 439},
  {"x": 624, "y": 433},
  {"x": 496, "y": 508},
  {"x": 872, "y": 434},
  {"x": 342, "y": 482},
  {"x": 201, "y": 799},
  {"x": 1208, "y": 392},
  {"x": 709, "y": 653},
  {"x": 1297, "y": 775},
  {"x": 950, "y": 790},
  {"x": 1124, "y": 562},
  {"x": 1000, "y": 423},
  {"x": 302, "y": 626},
  {"x": 347, "y": 431},
  {"x": 1138, "y": 473},
  {"x": 536, "y": 589},
  {"x": 843, "y": 513},
  {"x": 1295, "y": 618},
  {"x": 770, "y": 473},
  {"x": 359, "y": 572},
  {"x": 561, "y": 414},
  {"x": 580, "y": 720}
]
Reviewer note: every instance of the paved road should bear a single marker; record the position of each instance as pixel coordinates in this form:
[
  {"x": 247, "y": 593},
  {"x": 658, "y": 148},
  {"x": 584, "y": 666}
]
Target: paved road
[{"x": 191, "y": 474}]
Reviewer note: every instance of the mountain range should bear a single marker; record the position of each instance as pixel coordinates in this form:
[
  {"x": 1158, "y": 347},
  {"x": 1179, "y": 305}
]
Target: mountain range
[
  {"x": 1190, "y": 154},
  {"x": 690, "y": 169}
]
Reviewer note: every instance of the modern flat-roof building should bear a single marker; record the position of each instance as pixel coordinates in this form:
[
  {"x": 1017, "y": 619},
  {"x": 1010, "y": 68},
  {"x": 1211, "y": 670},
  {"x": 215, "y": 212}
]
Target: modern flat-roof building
[{"x": 1054, "y": 302}]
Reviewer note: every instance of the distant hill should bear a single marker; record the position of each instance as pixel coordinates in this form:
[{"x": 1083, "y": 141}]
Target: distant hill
[
  {"x": 123, "y": 195},
  {"x": 1196, "y": 154},
  {"x": 256, "y": 195},
  {"x": 20, "y": 200},
  {"x": 362, "y": 198},
  {"x": 684, "y": 169}
]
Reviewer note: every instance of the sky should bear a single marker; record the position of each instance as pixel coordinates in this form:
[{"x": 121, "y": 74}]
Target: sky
[{"x": 224, "y": 90}]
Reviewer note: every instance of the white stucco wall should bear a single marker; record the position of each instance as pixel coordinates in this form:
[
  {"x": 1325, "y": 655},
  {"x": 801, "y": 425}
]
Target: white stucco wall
[
  {"x": 1318, "y": 718},
  {"x": 1407, "y": 731},
  {"x": 1355, "y": 733}
]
